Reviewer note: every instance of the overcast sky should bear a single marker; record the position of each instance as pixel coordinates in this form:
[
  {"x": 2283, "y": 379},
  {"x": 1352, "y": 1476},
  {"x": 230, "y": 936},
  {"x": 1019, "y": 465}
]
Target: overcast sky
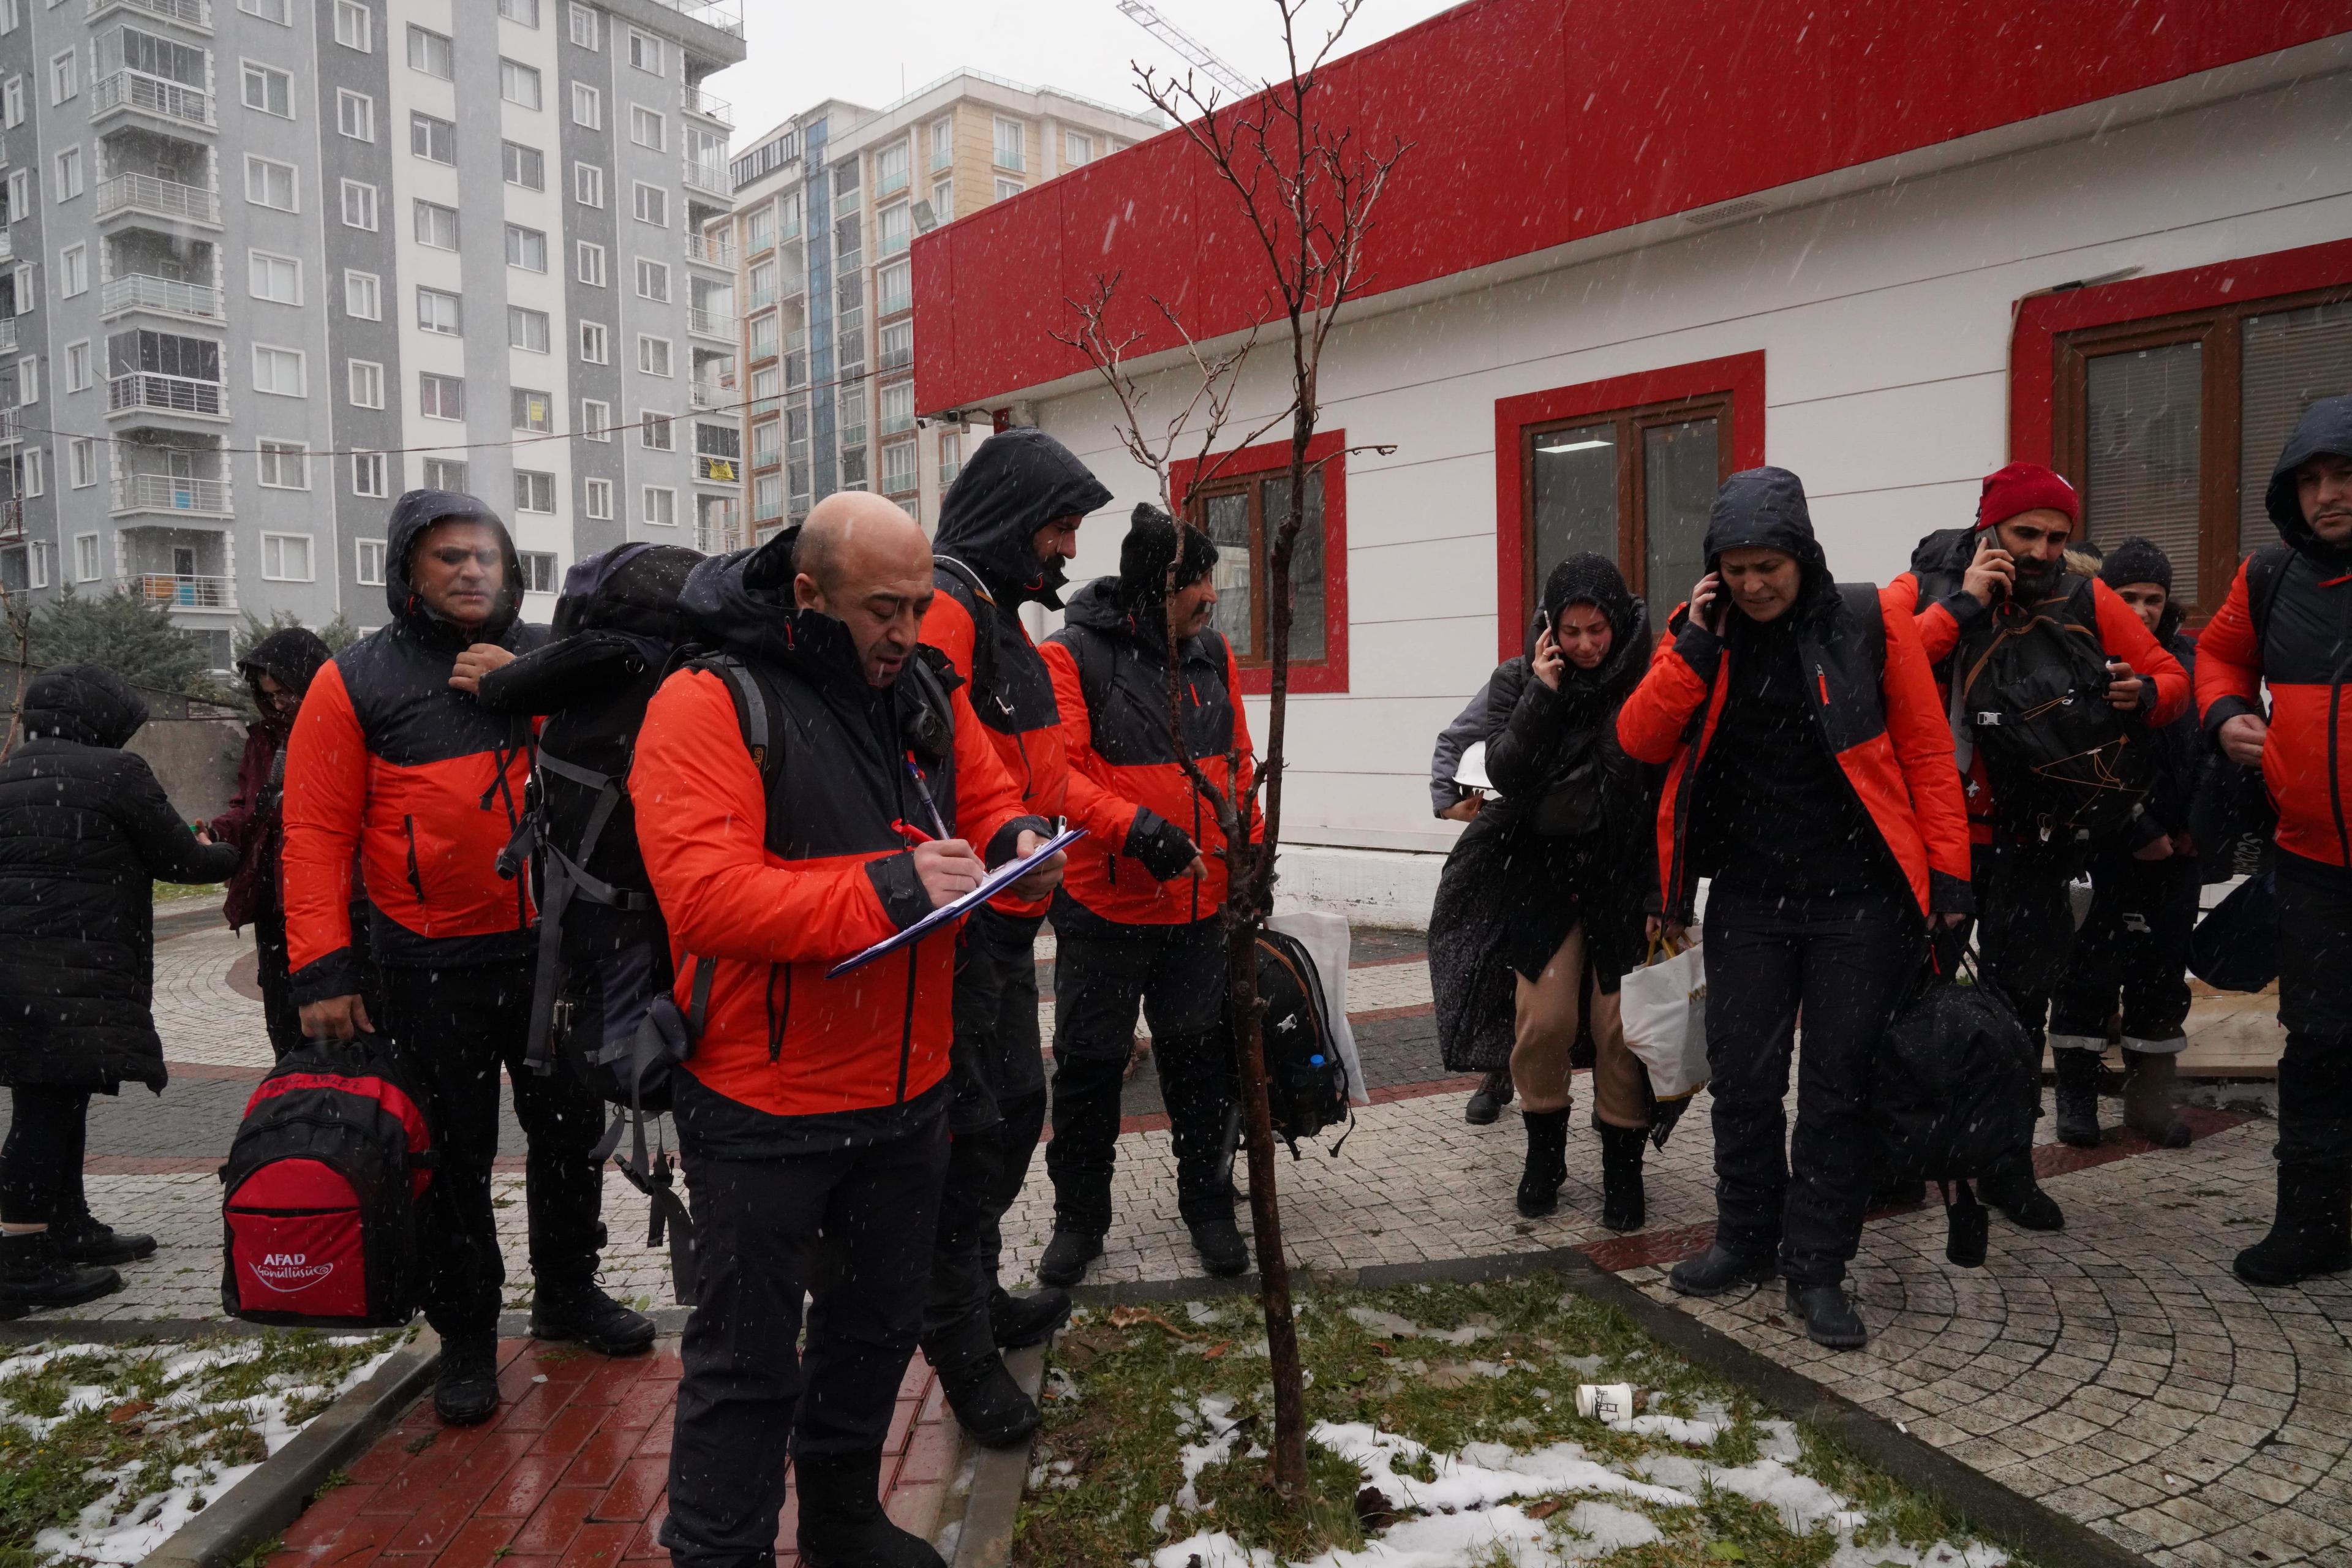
[{"x": 872, "y": 52}]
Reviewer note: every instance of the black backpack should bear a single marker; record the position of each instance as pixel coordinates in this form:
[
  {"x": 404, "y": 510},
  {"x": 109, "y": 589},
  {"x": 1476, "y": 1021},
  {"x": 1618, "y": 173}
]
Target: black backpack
[
  {"x": 1305, "y": 1081},
  {"x": 319, "y": 1194}
]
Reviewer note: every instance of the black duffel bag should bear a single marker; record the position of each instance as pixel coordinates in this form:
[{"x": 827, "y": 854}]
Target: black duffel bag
[{"x": 2236, "y": 945}]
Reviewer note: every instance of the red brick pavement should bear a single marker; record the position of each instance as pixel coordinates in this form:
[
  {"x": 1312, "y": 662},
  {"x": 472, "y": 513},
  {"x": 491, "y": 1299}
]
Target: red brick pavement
[{"x": 572, "y": 1470}]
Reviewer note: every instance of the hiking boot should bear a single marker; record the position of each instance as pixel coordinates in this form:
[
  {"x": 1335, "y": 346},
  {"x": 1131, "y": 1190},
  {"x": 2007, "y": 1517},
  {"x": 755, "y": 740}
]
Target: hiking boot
[
  {"x": 1716, "y": 1270},
  {"x": 1625, "y": 1202},
  {"x": 465, "y": 1389},
  {"x": 842, "y": 1524},
  {"x": 1018, "y": 1321},
  {"x": 1219, "y": 1242},
  {"x": 1486, "y": 1101},
  {"x": 1829, "y": 1317},
  {"x": 2312, "y": 1233},
  {"x": 989, "y": 1403},
  {"x": 1547, "y": 1162},
  {"x": 35, "y": 1274},
  {"x": 2148, "y": 1078},
  {"x": 1066, "y": 1257},
  {"x": 82, "y": 1238},
  {"x": 2015, "y": 1194},
  {"x": 2078, "y": 1096},
  {"x": 583, "y": 1312}
]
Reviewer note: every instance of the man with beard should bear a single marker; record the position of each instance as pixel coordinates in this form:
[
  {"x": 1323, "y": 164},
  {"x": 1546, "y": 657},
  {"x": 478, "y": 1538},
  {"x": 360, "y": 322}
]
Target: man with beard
[{"x": 2017, "y": 552}]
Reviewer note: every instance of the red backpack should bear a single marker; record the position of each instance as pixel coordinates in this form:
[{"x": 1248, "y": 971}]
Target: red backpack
[{"x": 319, "y": 1204}]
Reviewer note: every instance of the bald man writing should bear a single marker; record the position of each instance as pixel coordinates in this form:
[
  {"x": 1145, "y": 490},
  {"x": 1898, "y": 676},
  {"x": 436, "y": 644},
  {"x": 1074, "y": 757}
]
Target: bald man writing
[{"x": 812, "y": 1113}]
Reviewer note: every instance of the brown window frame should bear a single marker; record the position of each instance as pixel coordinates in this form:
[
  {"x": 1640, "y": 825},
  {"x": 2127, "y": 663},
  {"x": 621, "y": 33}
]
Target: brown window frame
[
  {"x": 2219, "y": 456},
  {"x": 1632, "y": 512},
  {"x": 1254, "y": 485}
]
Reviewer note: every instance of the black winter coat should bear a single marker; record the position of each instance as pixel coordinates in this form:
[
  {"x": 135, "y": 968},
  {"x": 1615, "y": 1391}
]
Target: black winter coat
[{"x": 84, "y": 831}]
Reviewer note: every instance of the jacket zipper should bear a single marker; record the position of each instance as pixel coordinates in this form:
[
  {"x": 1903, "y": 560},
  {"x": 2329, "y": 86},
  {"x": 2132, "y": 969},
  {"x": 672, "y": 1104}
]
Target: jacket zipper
[
  {"x": 778, "y": 1022},
  {"x": 907, "y": 1029},
  {"x": 415, "y": 876}
]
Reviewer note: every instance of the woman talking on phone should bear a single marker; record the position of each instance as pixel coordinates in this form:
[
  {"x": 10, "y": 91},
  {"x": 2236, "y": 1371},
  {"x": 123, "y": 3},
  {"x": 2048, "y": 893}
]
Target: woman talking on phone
[{"x": 1816, "y": 788}]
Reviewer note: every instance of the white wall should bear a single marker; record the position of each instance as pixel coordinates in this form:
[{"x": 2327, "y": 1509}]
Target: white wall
[{"x": 1885, "y": 320}]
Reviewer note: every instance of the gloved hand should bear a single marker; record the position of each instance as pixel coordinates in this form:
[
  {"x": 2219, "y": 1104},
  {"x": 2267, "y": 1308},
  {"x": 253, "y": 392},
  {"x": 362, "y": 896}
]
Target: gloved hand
[{"x": 1165, "y": 850}]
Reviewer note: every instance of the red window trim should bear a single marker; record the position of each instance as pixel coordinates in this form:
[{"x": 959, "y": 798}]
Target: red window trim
[
  {"x": 1328, "y": 448},
  {"x": 1741, "y": 375}
]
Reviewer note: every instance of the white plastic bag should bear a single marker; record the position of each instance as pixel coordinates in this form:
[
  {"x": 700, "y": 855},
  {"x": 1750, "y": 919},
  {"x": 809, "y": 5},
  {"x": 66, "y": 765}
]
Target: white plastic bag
[{"x": 1663, "y": 1008}]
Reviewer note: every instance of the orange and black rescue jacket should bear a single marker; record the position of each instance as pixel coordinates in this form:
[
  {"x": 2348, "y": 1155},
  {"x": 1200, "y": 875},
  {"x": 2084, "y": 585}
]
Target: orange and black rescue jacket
[
  {"x": 2292, "y": 634},
  {"x": 1110, "y": 681},
  {"x": 388, "y": 760},
  {"x": 773, "y": 881},
  {"x": 1883, "y": 727}
]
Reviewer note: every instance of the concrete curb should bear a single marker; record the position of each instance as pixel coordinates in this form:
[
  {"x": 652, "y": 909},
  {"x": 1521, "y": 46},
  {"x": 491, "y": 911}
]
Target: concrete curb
[
  {"x": 668, "y": 1320},
  {"x": 275, "y": 1495},
  {"x": 998, "y": 1479}
]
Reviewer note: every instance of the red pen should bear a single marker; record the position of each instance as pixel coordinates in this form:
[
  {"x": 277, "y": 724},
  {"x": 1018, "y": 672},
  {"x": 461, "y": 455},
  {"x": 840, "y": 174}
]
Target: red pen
[{"x": 910, "y": 833}]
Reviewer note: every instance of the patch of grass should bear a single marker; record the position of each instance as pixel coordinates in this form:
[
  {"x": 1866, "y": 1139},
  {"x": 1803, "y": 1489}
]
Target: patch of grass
[
  {"x": 261, "y": 1553},
  {"x": 174, "y": 893},
  {"x": 1897, "y": 1512}
]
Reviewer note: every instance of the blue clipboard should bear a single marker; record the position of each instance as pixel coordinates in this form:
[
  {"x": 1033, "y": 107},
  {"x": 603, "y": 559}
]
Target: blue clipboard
[{"x": 995, "y": 882}]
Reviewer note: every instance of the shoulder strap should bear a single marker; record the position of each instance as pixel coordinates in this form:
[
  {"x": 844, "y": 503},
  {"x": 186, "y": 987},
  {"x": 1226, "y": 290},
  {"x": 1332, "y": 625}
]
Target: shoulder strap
[
  {"x": 2265, "y": 569},
  {"x": 751, "y": 711},
  {"x": 1862, "y": 603},
  {"x": 982, "y": 672}
]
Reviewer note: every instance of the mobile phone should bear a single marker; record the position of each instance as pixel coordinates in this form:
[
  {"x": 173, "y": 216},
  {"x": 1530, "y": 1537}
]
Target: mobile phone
[{"x": 1543, "y": 624}]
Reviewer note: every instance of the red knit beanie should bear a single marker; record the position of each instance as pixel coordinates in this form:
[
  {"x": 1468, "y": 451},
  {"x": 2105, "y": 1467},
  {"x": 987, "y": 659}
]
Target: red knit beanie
[{"x": 2024, "y": 487}]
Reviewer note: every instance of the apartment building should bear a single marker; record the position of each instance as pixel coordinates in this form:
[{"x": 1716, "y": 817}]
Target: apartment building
[
  {"x": 268, "y": 263},
  {"x": 825, "y": 207}
]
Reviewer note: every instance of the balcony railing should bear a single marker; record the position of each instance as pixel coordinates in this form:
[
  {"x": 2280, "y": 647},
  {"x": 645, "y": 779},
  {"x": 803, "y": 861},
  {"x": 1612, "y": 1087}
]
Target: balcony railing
[
  {"x": 726, "y": 15},
  {"x": 718, "y": 470},
  {"x": 139, "y": 291},
  {"x": 792, "y": 285},
  {"x": 711, "y": 178},
  {"x": 710, "y": 106},
  {"x": 152, "y": 95},
  {"x": 169, "y": 492},
  {"x": 891, "y": 183},
  {"x": 711, "y": 251},
  {"x": 709, "y": 394},
  {"x": 168, "y": 393},
  {"x": 165, "y": 198},
  {"x": 711, "y": 323},
  {"x": 763, "y": 296},
  {"x": 183, "y": 593},
  {"x": 188, "y": 12}
]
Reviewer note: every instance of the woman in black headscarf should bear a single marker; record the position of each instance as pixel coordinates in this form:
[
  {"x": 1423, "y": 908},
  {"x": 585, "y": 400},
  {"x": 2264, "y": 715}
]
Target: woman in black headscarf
[{"x": 1543, "y": 892}]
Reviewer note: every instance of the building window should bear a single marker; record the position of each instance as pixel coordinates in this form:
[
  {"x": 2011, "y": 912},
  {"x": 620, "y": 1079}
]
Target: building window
[
  {"x": 893, "y": 288},
  {"x": 645, "y": 127},
  {"x": 768, "y": 496},
  {"x": 661, "y": 506},
  {"x": 441, "y": 398},
  {"x": 64, "y": 82},
  {"x": 277, "y": 279},
  {"x": 535, "y": 492},
  {"x": 359, "y": 206},
  {"x": 523, "y": 10},
  {"x": 448, "y": 474},
  {"x": 538, "y": 565},
  {"x": 583, "y": 27},
  {"x": 590, "y": 258},
  {"x": 765, "y": 336},
  {"x": 78, "y": 367},
  {"x": 588, "y": 185},
  {"x": 433, "y": 139},
  {"x": 526, "y": 167},
  {"x": 2168, "y": 426},
  {"x": 526, "y": 248},
  {"x": 73, "y": 271},
  {"x": 595, "y": 343},
  {"x": 269, "y": 183},
  {"x": 440, "y": 311},
  {"x": 897, "y": 467},
  {"x": 1632, "y": 484},
  {"x": 11, "y": 101},
  {"x": 653, "y": 355},
  {"x": 527, "y": 329},
  {"x": 943, "y": 200},
  {"x": 1012, "y": 137},
  {"x": 28, "y": 379},
  {"x": 654, "y": 432},
  {"x": 355, "y": 26},
  {"x": 279, "y": 11},
  {"x": 652, "y": 204},
  {"x": 267, "y": 89},
  {"x": 950, "y": 456},
  {"x": 942, "y": 143},
  {"x": 532, "y": 412},
  {"x": 1242, "y": 508},
  {"x": 86, "y": 558},
  {"x": 596, "y": 497},
  {"x": 284, "y": 466},
  {"x": 644, "y": 51},
  {"x": 519, "y": 84},
  {"x": 69, "y": 174},
  {"x": 436, "y": 225},
  {"x": 653, "y": 280},
  {"x": 368, "y": 479},
  {"x": 81, "y": 454},
  {"x": 891, "y": 169},
  {"x": 1005, "y": 188},
  {"x": 277, "y": 371},
  {"x": 760, "y": 230},
  {"x": 587, "y": 106},
  {"x": 1076, "y": 150},
  {"x": 285, "y": 557},
  {"x": 899, "y": 408},
  {"x": 596, "y": 420},
  {"x": 895, "y": 224},
  {"x": 363, "y": 296},
  {"x": 898, "y": 341},
  {"x": 431, "y": 53},
  {"x": 356, "y": 115},
  {"x": 366, "y": 383}
]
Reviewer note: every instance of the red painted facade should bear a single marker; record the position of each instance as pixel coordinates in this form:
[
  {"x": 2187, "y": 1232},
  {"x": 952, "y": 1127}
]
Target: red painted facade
[{"x": 1533, "y": 125}]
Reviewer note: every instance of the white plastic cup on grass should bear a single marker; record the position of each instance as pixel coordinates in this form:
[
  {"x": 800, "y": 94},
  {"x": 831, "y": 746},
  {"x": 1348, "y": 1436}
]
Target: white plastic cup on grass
[{"x": 1605, "y": 1401}]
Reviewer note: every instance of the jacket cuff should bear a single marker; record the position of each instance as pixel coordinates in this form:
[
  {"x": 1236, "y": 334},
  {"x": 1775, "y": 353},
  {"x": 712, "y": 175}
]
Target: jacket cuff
[
  {"x": 904, "y": 898},
  {"x": 336, "y": 974},
  {"x": 2142, "y": 828},
  {"x": 1004, "y": 845},
  {"x": 1950, "y": 895},
  {"x": 1963, "y": 607},
  {"x": 1700, "y": 648},
  {"x": 1163, "y": 848},
  {"x": 2224, "y": 709}
]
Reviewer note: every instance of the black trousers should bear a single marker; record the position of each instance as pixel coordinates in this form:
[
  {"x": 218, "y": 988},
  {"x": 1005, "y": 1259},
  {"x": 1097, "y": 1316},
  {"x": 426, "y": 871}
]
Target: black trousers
[
  {"x": 1843, "y": 964},
  {"x": 279, "y": 1013},
  {"x": 849, "y": 1228},
  {"x": 1102, "y": 971},
  {"x": 2133, "y": 945},
  {"x": 452, "y": 1030},
  {"x": 2315, "y": 1071},
  {"x": 2025, "y": 925},
  {"x": 40, "y": 1163}
]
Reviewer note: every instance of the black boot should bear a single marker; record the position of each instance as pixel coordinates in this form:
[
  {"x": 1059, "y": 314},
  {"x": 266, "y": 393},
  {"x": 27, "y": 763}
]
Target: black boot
[
  {"x": 579, "y": 1310},
  {"x": 989, "y": 1403},
  {"x": 1546, "y": 1163},
  {"x": 1219, "y": 1242},
  {"x": 1066, "y": 1257},
  {"x": 2078, "y": 1096},
  {"x": 2148, "y": 1078},
  {"x": 2014, "y": 1192},
  {"x": 1624, "y": 1203},
  {"x": 1487, "y": 1101},
  {"x": 35, "y": 1274},
  {"x": 1016, "y": 1321},
  {"x": 1829, "y": 1317},
  {"x": 842, "y": 1521},
  {"x": 465, "y": 1389},
  {"x": 81, "y": 1238},
  {"x": 2312, "y": 1233},
  {"x": 1716, "y": 1270}
]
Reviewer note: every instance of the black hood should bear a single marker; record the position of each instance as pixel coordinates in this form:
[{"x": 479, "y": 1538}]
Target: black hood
[
  {"x": 741, "y": 603},
  {"x": 1015, "y": 483},
  {"x": 291, "y": 657},
  {"x": 412, "y": 514},
  {"x": 633, "y": 588},
  {"x": 88, "y": 703},
  {"x": 2325, "y": 427},
  {"x": 1588, "y": 578},
  {"x": 1764, "y": 508}
]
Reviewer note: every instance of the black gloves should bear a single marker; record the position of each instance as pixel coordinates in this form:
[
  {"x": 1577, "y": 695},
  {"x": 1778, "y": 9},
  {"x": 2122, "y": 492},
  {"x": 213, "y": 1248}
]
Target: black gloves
[{"x": 1162, "y": 846}]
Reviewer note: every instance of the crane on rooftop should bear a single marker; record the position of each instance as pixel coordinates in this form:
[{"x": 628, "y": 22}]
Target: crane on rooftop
[{"x": 1191, "y": 50}]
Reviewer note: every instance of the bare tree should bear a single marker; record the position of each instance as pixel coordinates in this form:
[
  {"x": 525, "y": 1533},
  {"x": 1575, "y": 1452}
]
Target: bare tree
[{"x": 1306, "y": 191}]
